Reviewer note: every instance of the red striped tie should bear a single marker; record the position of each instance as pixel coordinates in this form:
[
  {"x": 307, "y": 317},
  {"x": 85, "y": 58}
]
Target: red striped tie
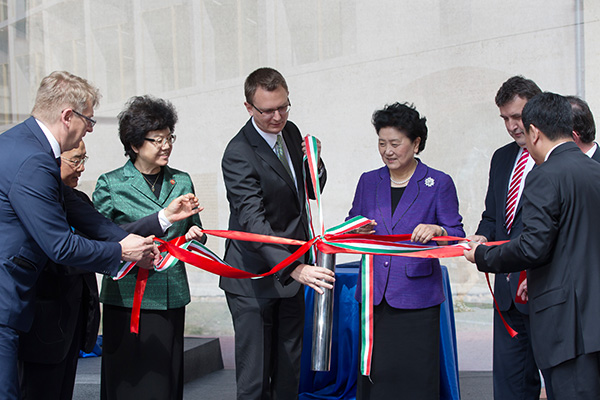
[{"x": 513, "y": 189}]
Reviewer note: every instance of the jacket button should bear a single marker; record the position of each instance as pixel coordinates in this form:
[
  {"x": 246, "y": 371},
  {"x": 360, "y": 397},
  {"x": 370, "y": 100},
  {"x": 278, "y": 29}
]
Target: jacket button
[{"x": 385, "y": 264}]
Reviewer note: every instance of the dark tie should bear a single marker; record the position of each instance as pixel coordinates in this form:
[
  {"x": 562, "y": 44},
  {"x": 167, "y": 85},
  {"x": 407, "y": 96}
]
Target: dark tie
[
  {"x": 58, "y": 161},
  {"x": 281, "y": 155}
]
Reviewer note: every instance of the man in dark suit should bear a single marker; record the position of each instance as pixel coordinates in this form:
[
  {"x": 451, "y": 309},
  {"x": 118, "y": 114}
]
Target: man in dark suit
[
  {"x": 36, "y": 212},
  {"x": 67, "y": 308},
  {"x": 558, "y": 244},
  {"x": 263, "y": 173},
  {"x": 584, "y": 134},
  {"x": 584, "y": 128},
  {"x": 515, "y": 373}
]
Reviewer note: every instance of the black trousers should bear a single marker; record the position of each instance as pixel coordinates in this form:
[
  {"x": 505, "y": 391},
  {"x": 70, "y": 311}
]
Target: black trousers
[
  {"x": 144, "y": 366},
  {"x": 578, "y": 378},
  {"x": 406, "y": 355},
  {"x": 268, "y": 345},
  {"x": 53, "y": 381},
  {"x": 516, "y": 375}
]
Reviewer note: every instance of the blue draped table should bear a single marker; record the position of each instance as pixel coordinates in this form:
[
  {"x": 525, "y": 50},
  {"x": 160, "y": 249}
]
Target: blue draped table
[{"x": 340, "y": 381}]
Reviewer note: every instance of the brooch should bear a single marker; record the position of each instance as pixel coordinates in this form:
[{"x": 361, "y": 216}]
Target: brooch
[
  {"x": 172, "y": 182},
  {"x": 429, "y": 182}
]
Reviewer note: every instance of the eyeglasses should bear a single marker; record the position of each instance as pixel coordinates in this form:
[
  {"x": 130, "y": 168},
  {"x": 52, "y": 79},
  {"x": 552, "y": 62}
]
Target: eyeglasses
[
  {"x": 91, "y": 121},
  {"x": 270, "y": 113},
  {"x": 160, "y": 141},
  {"x": 78, "y": 162}
]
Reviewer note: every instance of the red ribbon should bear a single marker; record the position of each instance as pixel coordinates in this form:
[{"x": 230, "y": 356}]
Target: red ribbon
[
  {"x": 140, "y": 287},
  {"x": 218, "y": 268}
]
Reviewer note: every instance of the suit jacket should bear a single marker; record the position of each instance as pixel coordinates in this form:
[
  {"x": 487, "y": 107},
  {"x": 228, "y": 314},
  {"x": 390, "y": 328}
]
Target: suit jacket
[
  {"x": 123, "y": 196},
  {"x": 34, "y": 227},
  {"x": 63, "y": 295},
  {"x": 596, "y": 155},
  {"x": 263, "y": 199},
  {"x": 559, "y": 245},
  {"x": 492, "y": 224},
  {"x": 429, "y": 198}
]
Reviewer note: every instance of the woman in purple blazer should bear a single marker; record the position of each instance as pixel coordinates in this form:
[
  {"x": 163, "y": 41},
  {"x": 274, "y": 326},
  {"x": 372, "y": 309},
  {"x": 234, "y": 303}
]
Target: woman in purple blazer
[{"x": 405, "y": 196}]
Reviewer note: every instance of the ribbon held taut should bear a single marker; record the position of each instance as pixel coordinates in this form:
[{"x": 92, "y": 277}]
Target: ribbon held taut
[{"x": 334, "y": 240}]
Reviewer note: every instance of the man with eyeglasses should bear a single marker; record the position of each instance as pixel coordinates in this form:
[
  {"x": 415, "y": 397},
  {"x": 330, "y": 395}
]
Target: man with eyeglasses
[
  {"x": 263, "y": 173},
  {"x": 36, "y": 212}
]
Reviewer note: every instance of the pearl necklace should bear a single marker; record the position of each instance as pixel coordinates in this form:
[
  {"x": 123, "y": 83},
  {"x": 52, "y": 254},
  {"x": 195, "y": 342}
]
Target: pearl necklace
[
  {"x": 403, "y": 182},
  {"x": 407, "y": 179}
]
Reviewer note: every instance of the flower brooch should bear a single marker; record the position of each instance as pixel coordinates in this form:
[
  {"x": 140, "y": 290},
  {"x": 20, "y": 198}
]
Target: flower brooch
[{"x": 429, "y": 182}]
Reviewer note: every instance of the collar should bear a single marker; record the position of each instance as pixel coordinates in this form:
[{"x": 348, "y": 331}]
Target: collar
[
  {"x": 551, "y": 150},
  {"x": 270, "y": 138},
  {"x": 53, "y": 142},
  {"x": 591, "y": 151}
]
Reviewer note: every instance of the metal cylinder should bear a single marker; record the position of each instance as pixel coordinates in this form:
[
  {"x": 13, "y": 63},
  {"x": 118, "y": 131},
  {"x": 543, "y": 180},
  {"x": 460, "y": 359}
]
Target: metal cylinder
[{"x": 323, "y": 320}]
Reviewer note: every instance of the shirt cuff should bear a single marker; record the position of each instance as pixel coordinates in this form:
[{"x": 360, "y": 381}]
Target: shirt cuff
[{"x": 163, "y": 220}]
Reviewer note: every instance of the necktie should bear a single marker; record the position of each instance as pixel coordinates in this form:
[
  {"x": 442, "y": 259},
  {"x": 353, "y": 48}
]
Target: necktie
[
  {"x": 281, "y": 155},
  {"x": 513, "y": 189}
]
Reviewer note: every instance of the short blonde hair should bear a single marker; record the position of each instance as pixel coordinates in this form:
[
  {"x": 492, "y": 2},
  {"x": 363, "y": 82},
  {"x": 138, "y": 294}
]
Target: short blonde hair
[{"x": 61, "y": 90}]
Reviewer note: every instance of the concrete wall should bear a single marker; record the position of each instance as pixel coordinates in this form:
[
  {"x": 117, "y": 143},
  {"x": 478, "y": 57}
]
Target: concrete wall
[{"x": 342, "y": 59}]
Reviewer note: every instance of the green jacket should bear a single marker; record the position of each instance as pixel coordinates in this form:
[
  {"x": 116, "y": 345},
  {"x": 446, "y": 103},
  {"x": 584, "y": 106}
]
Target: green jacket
[{"x": 123, "y": 196}]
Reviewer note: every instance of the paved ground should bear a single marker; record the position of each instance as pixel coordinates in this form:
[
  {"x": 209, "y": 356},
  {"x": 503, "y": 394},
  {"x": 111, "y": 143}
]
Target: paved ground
[{"x": 210, "y": 317}]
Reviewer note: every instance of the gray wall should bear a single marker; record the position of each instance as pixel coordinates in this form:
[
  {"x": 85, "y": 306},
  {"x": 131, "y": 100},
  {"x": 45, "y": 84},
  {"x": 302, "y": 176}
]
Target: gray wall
[{"x": 342, "y": 60}]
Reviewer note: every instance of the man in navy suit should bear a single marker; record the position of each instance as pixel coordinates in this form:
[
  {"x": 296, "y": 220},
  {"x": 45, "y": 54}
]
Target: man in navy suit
[
  {"x": 558, "y": 246},
  {"x": 515, "y": 373},
  {"x": 37, "y": 212}
]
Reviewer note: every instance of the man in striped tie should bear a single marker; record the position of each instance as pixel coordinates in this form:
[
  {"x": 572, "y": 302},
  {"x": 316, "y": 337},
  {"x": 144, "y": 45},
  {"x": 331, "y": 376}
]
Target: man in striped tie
[{"x": 515, "y": 374}]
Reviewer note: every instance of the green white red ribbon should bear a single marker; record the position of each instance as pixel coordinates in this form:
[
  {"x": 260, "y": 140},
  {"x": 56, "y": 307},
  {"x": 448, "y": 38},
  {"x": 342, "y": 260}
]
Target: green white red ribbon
[
  {"x": 366, "y": 315},
  {"x": 333, "y": 240}
]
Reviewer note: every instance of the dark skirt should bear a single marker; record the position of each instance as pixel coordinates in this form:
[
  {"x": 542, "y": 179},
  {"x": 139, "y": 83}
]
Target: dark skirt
[
  {"x": 406, "y": 355},
  {"x": 144, "y": 366}
]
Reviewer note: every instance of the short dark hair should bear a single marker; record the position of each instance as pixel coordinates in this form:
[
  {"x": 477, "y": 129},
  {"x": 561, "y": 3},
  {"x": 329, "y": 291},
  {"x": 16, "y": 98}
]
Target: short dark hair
[
  {"x": 583, "y": 119},
  {"x": 143, "y": 114},
  {"x": 403, "y": 117},
  {"x": 266, "y": 78},
  {"x": 516, "y": 86},
  {"x": 550, "y": 113}
]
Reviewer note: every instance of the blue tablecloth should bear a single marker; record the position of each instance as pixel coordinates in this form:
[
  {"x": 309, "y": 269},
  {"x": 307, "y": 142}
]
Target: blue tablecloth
[{"x": 340, "y": 381}]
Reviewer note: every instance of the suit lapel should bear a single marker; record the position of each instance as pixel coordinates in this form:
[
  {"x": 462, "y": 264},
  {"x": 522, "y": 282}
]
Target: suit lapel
[
  {"x": 596, "y": 155},
  {"x": 262, "y": 150},
  {"x": 169, "y": 183},
  {"x": 410, "y": 194},
  {"x": 384, "y": 199},
  {"x": 139, "y": 184}
]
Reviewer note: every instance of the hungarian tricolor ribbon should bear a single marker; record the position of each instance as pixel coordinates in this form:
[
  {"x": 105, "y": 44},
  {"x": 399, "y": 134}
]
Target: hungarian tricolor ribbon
[{"x": 337, "y": 239}]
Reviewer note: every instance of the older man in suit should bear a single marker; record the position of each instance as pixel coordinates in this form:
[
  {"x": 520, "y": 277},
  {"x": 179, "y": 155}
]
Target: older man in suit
[
  {"x": 36, "y": 212},
  {"x": 558, "y": 245},
  {"x": 67, "y": 308},
  {"x": 263, "y": 173},
  {"x": 515, "y": 374}
]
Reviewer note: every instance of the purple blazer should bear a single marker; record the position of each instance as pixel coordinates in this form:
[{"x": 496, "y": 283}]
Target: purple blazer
[{"x": 429, "y": 198}]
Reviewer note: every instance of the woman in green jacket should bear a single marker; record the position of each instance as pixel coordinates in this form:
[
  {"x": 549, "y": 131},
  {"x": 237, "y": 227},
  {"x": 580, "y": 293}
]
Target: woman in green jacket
[{"x": 150, "y": 364}]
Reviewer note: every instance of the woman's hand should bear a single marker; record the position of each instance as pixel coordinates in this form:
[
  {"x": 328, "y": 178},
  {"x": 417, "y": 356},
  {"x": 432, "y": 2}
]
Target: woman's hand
[
  {"x": 423, "y": 233},
  {"x": 194, "y": 233},
  {"x": 182, "y": 207},
  {"x": 368, "y": 229}
]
